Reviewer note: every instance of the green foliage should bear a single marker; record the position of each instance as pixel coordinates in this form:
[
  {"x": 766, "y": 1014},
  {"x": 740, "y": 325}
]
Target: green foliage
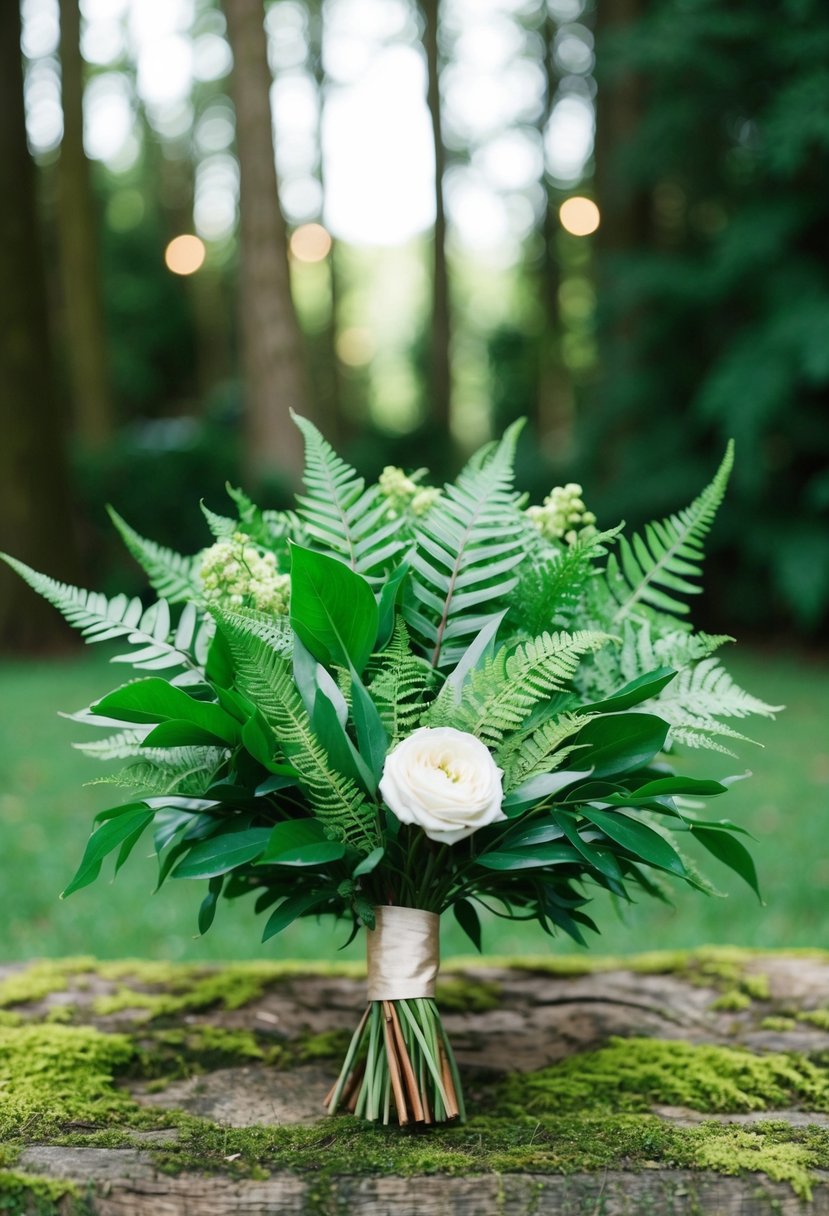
[
  {"x": 265, "y": 675},
  {"x": 340, "y": 514},
  {"x": 668, "y": 556},
  {"x": 466, "y": 548},
  {"x": 258, "y": 765},
  {"x": 401, "y": 686},
  {"x": 102, "y": 620}
]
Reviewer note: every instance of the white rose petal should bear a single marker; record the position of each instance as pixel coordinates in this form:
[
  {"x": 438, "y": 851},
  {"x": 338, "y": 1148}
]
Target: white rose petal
[{"x": 444, "y": 781}]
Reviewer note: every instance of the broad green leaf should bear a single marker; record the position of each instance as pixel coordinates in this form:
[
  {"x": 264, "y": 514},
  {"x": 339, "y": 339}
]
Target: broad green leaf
[
  {"x": 637, "y": 837},
  {"x": 111, "y": 833},
  {"x": 621, "y": 743},
  {"x": 475, "y": 654},
  {"x": 207, "y": 909},
  {"x": 538, "y": 831},
  {"x": 222, "y": 853},
  {"x": 372, "y": 739},
  {"x": 178, "y": 733},
  {"x": 537, "y": 788},
  {"x": 277, "y": 781},
  {"x": 529, "y": 859},
  {"x": 310, "y": 854},
  {"x": 338, "y": 746},
  {"x": 641, "y": 689},
  {"x": 368, "y": 864},
  {"x": 731, "y": 853},
  {"x": 333, "y": 610},
  {"x": 467, "y": 917},
  {"x": 155, "y": 700},
  {"x": 290, "y": 834},
  {"x": 291, "y": 908},
  {"x": 666, "y": 787},
  {"x": 600, "y": 858},
  {"x": 387, "y": 605}
]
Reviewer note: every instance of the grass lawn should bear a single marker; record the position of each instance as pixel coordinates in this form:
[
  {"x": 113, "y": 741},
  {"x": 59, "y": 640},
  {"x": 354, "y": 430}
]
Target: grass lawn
[{"x": 45, "y": 813}]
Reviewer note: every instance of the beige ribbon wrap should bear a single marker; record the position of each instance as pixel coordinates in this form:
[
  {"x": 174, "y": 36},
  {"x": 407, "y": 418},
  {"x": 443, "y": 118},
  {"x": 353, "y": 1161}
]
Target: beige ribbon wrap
[{"x": 403, "y": 952}]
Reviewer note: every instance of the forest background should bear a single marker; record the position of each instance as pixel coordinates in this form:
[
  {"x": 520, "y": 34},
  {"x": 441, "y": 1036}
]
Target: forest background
[{"x": 412, "y": 222}]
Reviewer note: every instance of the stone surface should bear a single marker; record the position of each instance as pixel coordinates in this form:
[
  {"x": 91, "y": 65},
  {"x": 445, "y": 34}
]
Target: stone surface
[{"x": 539, "y": 1018}]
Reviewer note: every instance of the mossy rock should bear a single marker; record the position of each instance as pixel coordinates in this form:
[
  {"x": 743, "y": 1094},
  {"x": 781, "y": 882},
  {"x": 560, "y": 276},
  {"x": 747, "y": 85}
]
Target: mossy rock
[{"x": 596, "y": 1086}]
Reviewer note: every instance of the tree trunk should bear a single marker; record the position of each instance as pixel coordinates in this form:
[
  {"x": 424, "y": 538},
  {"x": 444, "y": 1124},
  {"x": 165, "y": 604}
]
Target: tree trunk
[
  {"x": 83, "y": 310},
  {"x": 624, "y": 211},
  {"x": 328, "y": 389},
  {"x": 273, "y": 353},
  {"x": 34, "y": 495},
  {"x": 441, "y": 327}
]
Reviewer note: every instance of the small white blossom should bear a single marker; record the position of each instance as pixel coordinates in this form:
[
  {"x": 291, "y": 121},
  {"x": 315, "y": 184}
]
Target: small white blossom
[
  {"x": 563, "y": 515},
  {"x": 235, "y": 572},
  {"x": 403, "y": 492}
]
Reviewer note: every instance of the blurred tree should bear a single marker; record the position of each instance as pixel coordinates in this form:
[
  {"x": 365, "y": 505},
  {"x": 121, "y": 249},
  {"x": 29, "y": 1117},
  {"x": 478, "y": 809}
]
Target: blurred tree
[
  {"x": 441, "y": 322},
  {"x": 83, "y": 323},
  {"x": 715, "y": 284},
  {"x": 34, "y": 501},
  {"x": 273, "y": 351}
]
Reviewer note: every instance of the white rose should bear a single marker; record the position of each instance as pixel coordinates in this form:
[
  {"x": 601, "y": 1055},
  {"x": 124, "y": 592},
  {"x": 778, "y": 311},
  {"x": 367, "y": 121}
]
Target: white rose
[{"x": 445, "y": 781}]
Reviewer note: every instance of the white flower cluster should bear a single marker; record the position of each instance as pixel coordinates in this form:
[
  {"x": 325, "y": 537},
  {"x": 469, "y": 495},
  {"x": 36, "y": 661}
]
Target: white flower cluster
[
  {"x": 403, "y": 492},
  {"x": 564, "y": 515},
  {"x": 235, "y": 572}
]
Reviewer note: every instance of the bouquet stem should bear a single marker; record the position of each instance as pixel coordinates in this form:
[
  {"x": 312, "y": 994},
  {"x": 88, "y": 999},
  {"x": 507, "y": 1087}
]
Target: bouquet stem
[{"x": 399, "y": 1058}]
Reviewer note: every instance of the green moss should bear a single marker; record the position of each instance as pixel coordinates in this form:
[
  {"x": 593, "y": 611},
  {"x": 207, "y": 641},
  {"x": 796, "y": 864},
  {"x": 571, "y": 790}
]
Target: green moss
[
  {"x": 815, "y": 1017},
  {"x": 778, "y": 1023},
  {"x": 28, "y": 1195},
  {"x": 465, "y": 995},
  {"x": 39, "y": 979},
  {"x": 732, "y": 1001},
  {"x": 550, "y": 1145},
  {"x": 636, "y": 1074},
  {"x": 328, "y": 1045},
  {"x": 54, "y": 1075}
]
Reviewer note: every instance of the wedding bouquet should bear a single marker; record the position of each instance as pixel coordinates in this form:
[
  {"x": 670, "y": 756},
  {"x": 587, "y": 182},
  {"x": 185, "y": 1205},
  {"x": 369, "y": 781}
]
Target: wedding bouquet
[{"x": 398, "y": 700}]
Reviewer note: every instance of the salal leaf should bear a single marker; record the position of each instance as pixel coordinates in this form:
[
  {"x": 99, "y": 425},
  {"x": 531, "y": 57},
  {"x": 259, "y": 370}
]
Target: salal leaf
[
  {"x": 621, "y": 743},
  {"x": 467, "y": 917},
  {"x": 532, "y": 858},
  {"x": 634, "y": 693},
  {"x": 538, "y": 788},
  {"x": 370, "y": 863},
  {"x": 637, "y": 838},
  {"x": 730, "y": 852},
  {"x": 292, "y": 908},
  {"x": 207, "y": 909},
  {"x": 222, "y": 853},
  {"x": 124, "y": 823}
]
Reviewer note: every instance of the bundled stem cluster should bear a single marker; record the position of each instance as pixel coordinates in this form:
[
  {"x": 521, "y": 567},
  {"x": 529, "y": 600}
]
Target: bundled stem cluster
[{"x": 399, "y": 1059}]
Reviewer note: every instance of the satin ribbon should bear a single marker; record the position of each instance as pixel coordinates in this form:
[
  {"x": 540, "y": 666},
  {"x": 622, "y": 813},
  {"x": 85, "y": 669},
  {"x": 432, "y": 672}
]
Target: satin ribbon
[{"x": 403, "y": 953}]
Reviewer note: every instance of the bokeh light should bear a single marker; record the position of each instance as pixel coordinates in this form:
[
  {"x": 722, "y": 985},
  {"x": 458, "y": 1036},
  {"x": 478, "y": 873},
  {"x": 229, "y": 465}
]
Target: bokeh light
[
  {"x": 185, "y": 254},
  {"x": 310, "y": 243},
  {"x": 579, "y": 216}
]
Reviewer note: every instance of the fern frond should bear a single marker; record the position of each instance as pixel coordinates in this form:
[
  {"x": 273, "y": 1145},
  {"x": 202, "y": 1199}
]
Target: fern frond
[
  {"x": 541, "y": 751},
  {"x": 707, "y": 690},
  {"x": 102, "y": 620},
  {"x": 123, "y": 746},
  {"x": 183, "y": 771},
  {"x": 401, "y": 686},
  {"x": 340, "y": 514},
  {"x": 499, "y": 696},
  {"x": 550, "y": 588},
  {"x": 172, "y": 575},
  {"x": 264, "y": 674},
  {"x": 652, "y": 568},
  {"x": 466, "y": 548}
]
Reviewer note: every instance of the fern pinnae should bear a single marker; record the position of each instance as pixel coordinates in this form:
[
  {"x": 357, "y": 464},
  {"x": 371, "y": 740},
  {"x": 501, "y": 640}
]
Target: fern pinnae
[
  {"x": 466, "y": 547},
  {"x": 102, "y": 620},
  {"x": 264, "y": 674},
  {"x": 340, "y": 514},
  {"x": 401, "y": 685},
  {"x": 173, "y": 576},
  {"x": 669, "y": 555}
]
